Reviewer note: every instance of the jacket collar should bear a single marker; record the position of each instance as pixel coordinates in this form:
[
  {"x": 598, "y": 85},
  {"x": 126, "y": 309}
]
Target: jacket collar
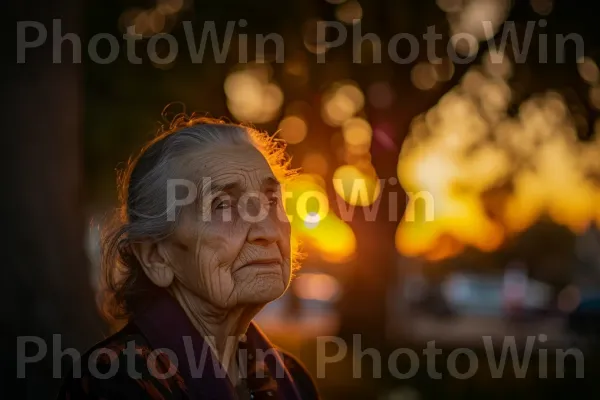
[{"x": 166, "y": 326}]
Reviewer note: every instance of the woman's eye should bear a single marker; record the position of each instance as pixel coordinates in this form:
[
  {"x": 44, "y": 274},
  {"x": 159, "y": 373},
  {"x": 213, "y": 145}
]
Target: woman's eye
[
  {"x": 223, "y": 204},
  {"x": 274, "y": 198}
]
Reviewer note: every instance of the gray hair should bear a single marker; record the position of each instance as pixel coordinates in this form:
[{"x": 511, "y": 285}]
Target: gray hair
[{"x": 142, "y": 214}]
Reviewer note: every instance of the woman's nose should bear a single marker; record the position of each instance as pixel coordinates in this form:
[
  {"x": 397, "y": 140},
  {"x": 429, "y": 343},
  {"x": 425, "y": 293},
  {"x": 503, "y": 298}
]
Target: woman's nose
[
  {"x": 264, "y": 227},
  {"x": 263, "y": 233}
]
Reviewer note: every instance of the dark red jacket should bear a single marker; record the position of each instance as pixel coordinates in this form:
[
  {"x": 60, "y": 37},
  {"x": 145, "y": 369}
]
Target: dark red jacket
[{"x": 159, "y": 355}]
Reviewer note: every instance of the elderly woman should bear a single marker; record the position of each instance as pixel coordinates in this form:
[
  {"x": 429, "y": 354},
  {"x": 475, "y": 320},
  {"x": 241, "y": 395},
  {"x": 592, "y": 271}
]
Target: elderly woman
[{"x": 203, "y": 244}]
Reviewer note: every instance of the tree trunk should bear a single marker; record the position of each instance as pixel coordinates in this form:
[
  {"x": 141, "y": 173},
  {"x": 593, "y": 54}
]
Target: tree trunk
[{"x": 45, "y": 286}]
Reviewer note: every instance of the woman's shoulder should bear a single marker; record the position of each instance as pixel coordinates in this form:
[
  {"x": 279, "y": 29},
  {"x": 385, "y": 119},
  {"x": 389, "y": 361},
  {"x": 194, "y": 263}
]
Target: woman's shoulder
[
  {"x": 304, "y": 382},
  {"x": 123, "y": 366}
]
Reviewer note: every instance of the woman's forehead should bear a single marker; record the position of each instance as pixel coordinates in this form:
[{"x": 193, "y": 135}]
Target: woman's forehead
[
  {"x": 236, "y": 185},
  {"x": 242, "y": 165}
]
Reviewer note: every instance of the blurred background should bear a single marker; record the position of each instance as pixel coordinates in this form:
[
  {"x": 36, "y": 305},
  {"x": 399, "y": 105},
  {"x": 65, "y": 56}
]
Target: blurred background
[{"x": 464, "y": 196}]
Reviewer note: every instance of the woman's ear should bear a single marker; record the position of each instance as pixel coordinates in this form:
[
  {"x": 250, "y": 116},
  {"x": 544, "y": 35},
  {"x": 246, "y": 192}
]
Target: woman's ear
[{"x": 154, "y": 261}]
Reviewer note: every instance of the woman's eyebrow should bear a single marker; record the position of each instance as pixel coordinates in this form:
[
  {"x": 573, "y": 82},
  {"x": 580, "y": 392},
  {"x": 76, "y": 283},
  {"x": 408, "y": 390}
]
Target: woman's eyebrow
[
  {"x": 236, "y": 187},
  {"x": 224, "y": 187},
  {"x": 269, "y": 181},
  {"x": 209, "y": 190}
]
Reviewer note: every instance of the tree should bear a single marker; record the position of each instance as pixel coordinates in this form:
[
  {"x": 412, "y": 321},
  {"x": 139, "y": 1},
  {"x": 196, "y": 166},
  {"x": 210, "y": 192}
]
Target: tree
[{"x": 45, "y": 285}]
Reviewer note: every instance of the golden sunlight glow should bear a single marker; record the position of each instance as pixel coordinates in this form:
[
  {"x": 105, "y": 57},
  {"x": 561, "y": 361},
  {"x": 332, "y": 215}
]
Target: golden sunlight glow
[
  {"x": 314, "y": 224},
  {"x": 312, "y": 220},
  {"x": 356, "y": 186},
  {"x": 467, "y": 147},
  {"x": 334, "y": 240}
]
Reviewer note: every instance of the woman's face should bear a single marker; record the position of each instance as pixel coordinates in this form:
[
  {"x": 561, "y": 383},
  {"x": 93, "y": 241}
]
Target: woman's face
[{"x": 232, "y": 247}]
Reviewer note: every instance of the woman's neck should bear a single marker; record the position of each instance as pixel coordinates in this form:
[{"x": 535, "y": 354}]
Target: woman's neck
[{"x": 221, "y": 328}]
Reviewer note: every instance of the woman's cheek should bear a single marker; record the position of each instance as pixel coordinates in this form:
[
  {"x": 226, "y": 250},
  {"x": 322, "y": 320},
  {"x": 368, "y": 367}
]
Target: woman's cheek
[
  {"x": 226, "y": 243},
  {"x": 286, "y": 239},
  {"x": 281, "y": 216}
]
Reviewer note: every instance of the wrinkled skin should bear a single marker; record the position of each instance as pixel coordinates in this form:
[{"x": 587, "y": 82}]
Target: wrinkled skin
[
  {"x": 229, "y": 254},
  {"x": 218, "y": 251}
]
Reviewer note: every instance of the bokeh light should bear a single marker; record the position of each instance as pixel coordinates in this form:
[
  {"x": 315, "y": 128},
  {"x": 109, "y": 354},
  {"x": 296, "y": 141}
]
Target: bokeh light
[
  {"x": 542, "y": 7},
  {"x": 444, "y": 71},
  {"x": 357, "y": 132},
  {"x": 468, "y": 145},
  {"x": 450, "y": 6},
  {"x": 293, "y": 129},
  {"x": 314, "y": 224},
  {"x": 312, "y": 220},
  {"x": 349, "y": 12},
  {"x": 497, "y": 64},
  {"x": 594, "y": 97},
  {"x": 251, "y": 95},
  {"x": 341, "y": 102},
  {"x": 356, "y": 186},
  {"x": 312, "y": 42},
  {"x": 148, "y": 22},
  {"x": 470, "y": 17},
  {"x": 423, "y": 76},
  {"x": 588, "y": 70},
  {"x": 316, "y": 286}
]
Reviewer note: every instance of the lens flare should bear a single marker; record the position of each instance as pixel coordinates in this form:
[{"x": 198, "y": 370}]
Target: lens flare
[{"x": 314, "y": 224}]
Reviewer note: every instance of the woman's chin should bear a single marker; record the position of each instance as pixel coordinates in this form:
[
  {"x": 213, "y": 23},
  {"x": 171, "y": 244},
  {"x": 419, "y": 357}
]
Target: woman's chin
[{"x": 263, "y": 289}]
